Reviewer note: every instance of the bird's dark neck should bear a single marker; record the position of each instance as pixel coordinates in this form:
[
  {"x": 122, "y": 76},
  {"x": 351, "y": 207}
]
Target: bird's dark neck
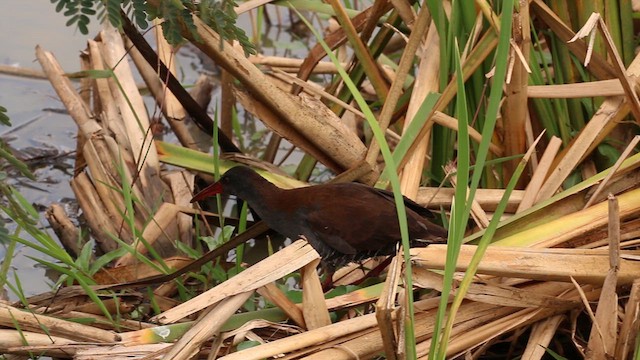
[{"x": 261, "y": 194}]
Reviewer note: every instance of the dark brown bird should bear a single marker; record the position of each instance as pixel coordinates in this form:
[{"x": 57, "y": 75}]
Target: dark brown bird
[{"x": 344, "y": 222}]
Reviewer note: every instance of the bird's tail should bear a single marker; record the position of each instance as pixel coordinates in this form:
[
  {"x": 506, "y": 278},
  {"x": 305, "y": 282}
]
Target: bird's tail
[{"x": 437, "y": 235}]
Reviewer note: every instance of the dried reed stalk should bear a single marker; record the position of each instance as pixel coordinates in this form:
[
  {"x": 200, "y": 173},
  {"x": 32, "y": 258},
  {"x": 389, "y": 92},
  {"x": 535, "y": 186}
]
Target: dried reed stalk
[
  {"x": 321, "y": 128},
  {"x": 289, "y": 259},
  {"x": 11, "y": 316},
  {"x": 426, "y": 82},
  {"x": 515, "y": 103},
  {"x": 588, "y": 266},
  {"x": 208, "y": 325},
  {"x": 314, "y": 307},
  {"x": 603, "y": 337}
]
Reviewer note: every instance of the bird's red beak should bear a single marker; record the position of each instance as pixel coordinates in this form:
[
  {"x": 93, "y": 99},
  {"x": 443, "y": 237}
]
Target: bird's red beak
[{"x": 211, "y": 190}]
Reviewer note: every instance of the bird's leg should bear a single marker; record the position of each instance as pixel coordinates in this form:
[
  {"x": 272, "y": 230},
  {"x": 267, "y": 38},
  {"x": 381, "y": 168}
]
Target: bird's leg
[
  {"x": 325, "y": 269},
  {"x": 328, "y": 272},
  {"x": 375, "y": 271},
  {"x": 366, "y": 272}
]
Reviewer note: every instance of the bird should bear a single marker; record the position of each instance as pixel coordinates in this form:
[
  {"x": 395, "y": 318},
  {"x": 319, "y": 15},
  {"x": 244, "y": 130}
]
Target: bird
[{"x": 343, "y": 222}]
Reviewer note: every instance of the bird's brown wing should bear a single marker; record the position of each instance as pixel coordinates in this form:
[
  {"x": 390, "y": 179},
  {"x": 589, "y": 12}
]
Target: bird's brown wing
[
  {"x": 417, "y": 208},
  {"x": 360, "y": 220}
]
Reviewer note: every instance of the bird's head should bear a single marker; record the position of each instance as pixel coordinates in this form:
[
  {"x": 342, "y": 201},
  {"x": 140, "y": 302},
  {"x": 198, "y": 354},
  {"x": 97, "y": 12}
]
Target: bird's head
[{"x": 232, "y": 182}]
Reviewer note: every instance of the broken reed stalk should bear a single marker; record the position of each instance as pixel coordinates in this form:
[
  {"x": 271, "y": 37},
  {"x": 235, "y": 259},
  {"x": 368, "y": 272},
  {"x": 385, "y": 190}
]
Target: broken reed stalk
[{"x": 603, "y": 337}]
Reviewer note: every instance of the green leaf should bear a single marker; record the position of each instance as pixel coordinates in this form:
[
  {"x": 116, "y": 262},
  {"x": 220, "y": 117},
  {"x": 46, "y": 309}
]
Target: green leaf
[
  {"x": 60, "y": 5},
  {"x": 82, "y": 280},
  {"x": 113, "y": 13},
  {"x": 414, "y": 126},
  {"x": 248, "y": 344},
  {"x": 84, "y": 259},
  {"x": 4, "y": 119},
  {"x": 25, "y": 204},
  {"x": 609, "y": 153},
  {"x": 553, "y": 354},
  {"x": 19, "y": 165},
  {"x": 105, "y": 259}
]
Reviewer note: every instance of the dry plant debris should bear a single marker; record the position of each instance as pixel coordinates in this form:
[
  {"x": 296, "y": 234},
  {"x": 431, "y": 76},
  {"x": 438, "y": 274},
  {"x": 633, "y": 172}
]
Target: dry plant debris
[{"x": 558, "y": 252}]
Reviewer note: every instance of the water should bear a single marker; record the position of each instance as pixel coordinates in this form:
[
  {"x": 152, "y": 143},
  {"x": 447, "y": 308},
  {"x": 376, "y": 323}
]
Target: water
[
  {"x": 42, "y": 132},
  {"x": 38, "y": 130},
  {"x": 42, "y": 129}
]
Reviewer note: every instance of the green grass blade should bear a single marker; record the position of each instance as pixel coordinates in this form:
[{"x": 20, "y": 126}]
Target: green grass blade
[
  {"x": 460, "y": 214},
  {"x": 390, "y": 169}
]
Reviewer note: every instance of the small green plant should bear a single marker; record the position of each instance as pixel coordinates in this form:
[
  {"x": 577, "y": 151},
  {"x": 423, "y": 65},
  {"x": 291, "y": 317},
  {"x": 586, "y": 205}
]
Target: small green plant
[
  {"x": 218, "y": 14},
  {"x": 12, "y": 202},
  {"x": 4, "y": 119}
]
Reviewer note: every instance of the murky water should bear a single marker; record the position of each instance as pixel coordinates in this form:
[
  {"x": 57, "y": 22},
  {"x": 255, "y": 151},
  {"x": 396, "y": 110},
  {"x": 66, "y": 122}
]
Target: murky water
[
  {"x": 42, "y": 133},
  {"x": 41, "y": 128},
  {"x": 38, "y": 129}
]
